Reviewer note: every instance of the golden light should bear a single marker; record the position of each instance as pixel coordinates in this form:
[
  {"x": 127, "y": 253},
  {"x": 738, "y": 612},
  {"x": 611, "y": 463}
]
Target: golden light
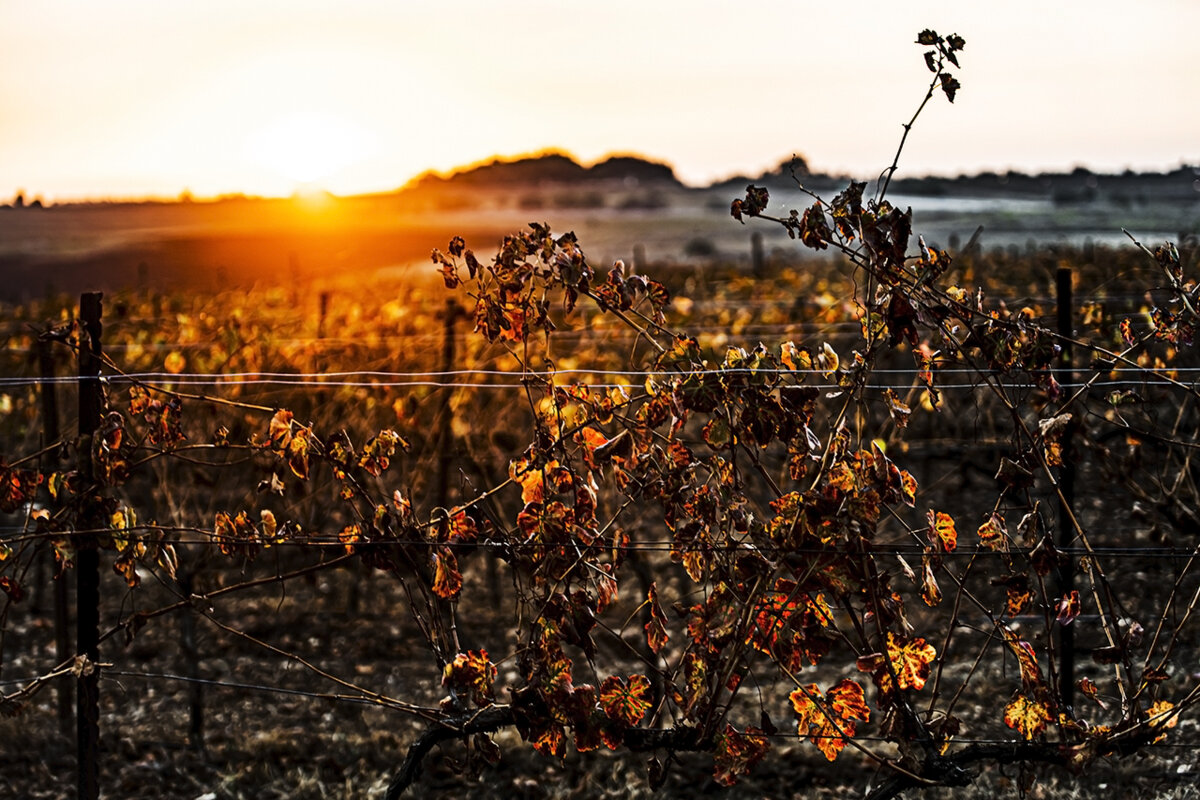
[{"x": 308, "y": 147}]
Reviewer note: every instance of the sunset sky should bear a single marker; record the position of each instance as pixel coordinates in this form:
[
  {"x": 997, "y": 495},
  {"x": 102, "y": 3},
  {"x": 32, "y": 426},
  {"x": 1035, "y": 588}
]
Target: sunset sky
[{"x": 123, "y": 98}]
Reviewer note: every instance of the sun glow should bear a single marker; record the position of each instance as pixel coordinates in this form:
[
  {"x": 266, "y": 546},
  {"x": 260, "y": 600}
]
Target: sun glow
[{"x": 308, "y": 147}]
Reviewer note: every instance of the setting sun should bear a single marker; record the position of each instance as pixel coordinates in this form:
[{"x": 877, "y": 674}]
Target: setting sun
[{"x": 308, "y": 147}]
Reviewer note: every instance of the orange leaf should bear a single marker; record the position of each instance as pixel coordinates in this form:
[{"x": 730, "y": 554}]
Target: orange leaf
[
  {"x": 606, "y": 590},
  {"x": 830, "y": 722},
  {"x": 474, "y": 673},
  {"x": 911, "y": 659},
  {"x": 1018, "y": 601},
  {"x": 557, "y": 686},
  {"x": 349, "y": 535},
  {"x": 126, "y": 567},
  {"x": 1026, "y": 716},
  {"x": 992, "y": 534},
  {"x": 462, "y": 527},
  {"x": 1161, "y": 715},
  {"x": 846, "y": 700},
  {"x": 378, "y": 452},
  {"x": 908, "y": 488},
  {"x": 694, "y": 564},
  {"x": 280, "y": 432},
  {"x": 737, "y": 752},
  {"x": 551, "y": 741},
  {"x": 592, "y": 440},
  {"x": 533, "y": 481},
  {"x": 625, "y": 702},
  {"x": 695, "y": 676},
  {"x": 531, "y": 487},
  {"x": 1031, "y": 674},
  {"x": 897, "y": 408},
  {"x": 297, "y": 453},
  {"x": 447, "y": 580},
  {"x": 941, "y": 530},
  {"x": 1092, "y": 691},
  {"x": 656, "y": 628}
]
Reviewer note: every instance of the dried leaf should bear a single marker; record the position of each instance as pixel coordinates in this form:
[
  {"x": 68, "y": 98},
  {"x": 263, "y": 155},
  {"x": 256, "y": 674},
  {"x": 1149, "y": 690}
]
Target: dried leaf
[
  {"x": 1028, "y": 717},
  {"x": 736, "y": 752},
  {"x": 447, "y": 580},
  {"x": 831, "y": 721},
  {"x": 992, "y": 533},
  {"x": 625, "y": 702},
  {"x": 473, "y": 673},
  {"x": 941, "y": 530},
  {"x": 1067, "y": 608},
  {"x": 656, "y": 628}
]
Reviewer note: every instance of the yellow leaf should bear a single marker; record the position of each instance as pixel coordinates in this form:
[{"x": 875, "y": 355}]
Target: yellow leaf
[
  {"x": 297, "y": 452},
  {"x": 1161, "y": 715},
  {"x": 269, "y": 526},
  {"x": 1028, "y": 717},
  {"x": 941, "y": 530},
  {"x": 829, "y": 360},
  {"x": 175, "y": 362}
]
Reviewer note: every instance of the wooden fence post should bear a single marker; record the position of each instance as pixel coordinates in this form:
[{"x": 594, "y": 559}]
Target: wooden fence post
[
  {"x": 87, "y": 557},
  {"x": 444, "y": 431},
  {"x": 1066, "y": 484},
  {"x": 62, "y": 623},
  {"x": 639, "y": 260},
  {"x": 324, "y": 304}
]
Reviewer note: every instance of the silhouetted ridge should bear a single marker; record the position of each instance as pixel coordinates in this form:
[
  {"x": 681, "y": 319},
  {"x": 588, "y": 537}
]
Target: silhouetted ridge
[
  {"x": 554, "y": 168},
  {"x": 625, "y": 168}
]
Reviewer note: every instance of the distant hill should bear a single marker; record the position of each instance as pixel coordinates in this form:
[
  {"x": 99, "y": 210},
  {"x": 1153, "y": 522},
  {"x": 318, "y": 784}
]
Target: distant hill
[
  {"x": 1080, "y": 185},
  {"x": 553, "y": 168}
]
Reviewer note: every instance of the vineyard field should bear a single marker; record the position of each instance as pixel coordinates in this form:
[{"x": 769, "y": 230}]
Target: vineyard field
[{"x": 607, "y": 510}]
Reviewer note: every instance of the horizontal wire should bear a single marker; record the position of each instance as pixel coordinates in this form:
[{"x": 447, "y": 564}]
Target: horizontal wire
[{"x": 244, "y": 686}]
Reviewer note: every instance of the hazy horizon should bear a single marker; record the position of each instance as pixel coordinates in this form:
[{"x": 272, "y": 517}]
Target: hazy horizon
[
  {"x": 134, "y": 99},
  {"x": 186, "y": 195}
]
